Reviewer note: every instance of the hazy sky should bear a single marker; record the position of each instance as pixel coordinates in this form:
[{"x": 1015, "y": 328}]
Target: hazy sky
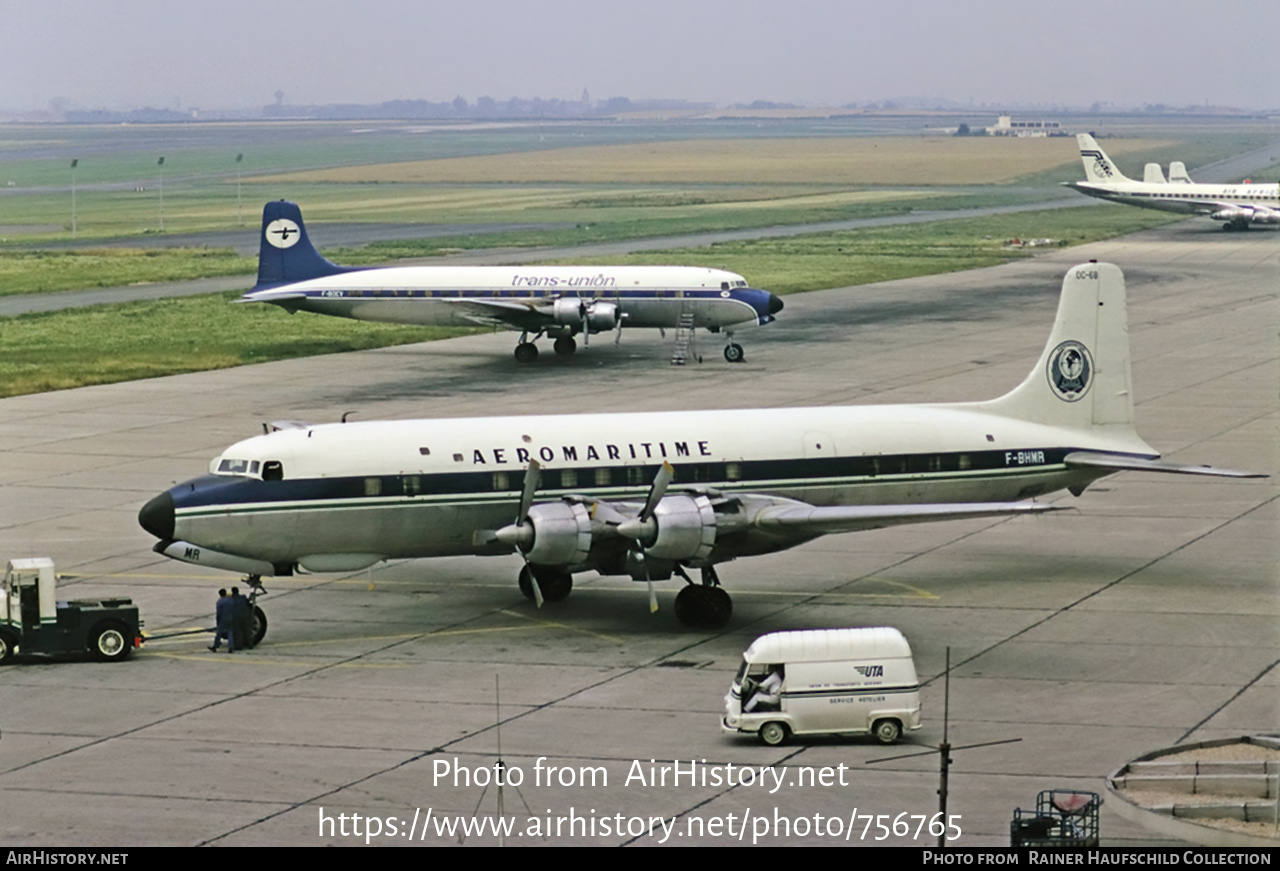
[{"x": 126, "y": 54}]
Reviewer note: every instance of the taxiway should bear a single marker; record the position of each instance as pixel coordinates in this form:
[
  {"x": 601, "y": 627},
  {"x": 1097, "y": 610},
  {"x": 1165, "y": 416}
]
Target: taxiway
[{"x": 1148, "y": 617}]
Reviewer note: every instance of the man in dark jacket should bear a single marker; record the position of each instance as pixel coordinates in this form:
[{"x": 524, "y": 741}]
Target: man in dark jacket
[
  {"x": 226, "y": 623},
  {"x": 241, "y": 619}
]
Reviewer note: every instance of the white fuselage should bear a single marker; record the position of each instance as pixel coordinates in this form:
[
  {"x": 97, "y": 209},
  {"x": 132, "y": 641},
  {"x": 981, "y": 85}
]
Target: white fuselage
[
  {"x": 525, "y": 297},
  {"x": 402, "y": 489},
  {"x": 1249, "y": 203}
]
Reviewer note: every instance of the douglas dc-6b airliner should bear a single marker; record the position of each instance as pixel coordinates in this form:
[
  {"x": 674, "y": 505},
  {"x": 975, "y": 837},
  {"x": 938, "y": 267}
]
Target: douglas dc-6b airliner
[
  {"x": 651, "y": 495},
  {"x": 556, "y": 301},
  {"x": 1239, "y": 205}
]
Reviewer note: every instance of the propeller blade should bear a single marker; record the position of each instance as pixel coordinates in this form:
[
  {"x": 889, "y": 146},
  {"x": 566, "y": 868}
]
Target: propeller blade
[
  {"x": 643, "y": 528},
  {"x": 531, "y": 478},
  {"x": 659, "y": 489}
]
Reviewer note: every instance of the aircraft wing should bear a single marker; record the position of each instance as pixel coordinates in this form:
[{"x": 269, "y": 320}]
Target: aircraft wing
[
  {"x": 813, "y": 520},
  {"x": 511, "y": 314},
  {"x": 1122, "y": 462}
]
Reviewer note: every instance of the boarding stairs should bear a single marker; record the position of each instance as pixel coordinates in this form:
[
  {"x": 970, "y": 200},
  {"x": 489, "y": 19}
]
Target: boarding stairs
[{"x": 683, "y": 347}]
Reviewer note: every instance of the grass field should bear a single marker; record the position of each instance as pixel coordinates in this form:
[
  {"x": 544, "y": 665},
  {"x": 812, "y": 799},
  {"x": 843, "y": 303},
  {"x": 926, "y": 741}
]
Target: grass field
[
  {"x": 921, "y": 160},
  {"x": 846, "y": 258},
  {"x": 110, "y": 343},
  {"x": 591, "y": 182},
  {"x": 41, "y": 271},
  {"x": 594, "y": 174}
]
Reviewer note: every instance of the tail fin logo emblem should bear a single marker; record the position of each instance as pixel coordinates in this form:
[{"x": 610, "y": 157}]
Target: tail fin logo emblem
[
  {"x": 1070, "y": 370},
  {"x": 283, "y": 233},
  {"x": 1101, "y": 165}
]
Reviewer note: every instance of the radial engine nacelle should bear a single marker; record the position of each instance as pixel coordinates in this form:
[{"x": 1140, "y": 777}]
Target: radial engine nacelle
[
  {"x": 683, "y": 527},
  {"x": 597, "y": 316},
  {"x": 552, "y": 534},
  {"x": 1256, "y": 216}
]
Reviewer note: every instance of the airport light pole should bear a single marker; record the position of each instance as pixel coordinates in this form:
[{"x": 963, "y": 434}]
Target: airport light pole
[
  {"x": 73, "y": 196},
  {"x": 160, "y": 163},
  {"x": 944, "y": 753},
  {"x": 239, "y": 211}
]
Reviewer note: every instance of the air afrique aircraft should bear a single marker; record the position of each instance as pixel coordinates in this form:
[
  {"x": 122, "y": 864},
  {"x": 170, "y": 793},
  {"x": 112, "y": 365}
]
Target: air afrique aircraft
[
  {"x": 651, "y": 495},
  {"x": 555, "y": 301},
  {"x": 1239, "y": 205}
]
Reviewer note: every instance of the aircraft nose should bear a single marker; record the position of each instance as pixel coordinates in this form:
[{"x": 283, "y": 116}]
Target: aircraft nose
[
  {"x": 156, "y": 517},
  {"x": 775, "y": 304}
]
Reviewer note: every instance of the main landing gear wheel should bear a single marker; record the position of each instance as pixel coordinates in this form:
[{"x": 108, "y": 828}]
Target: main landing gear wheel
[
  {"x": 773, "y": 734},
  {"x": 886, "y": 731},
  {"x": 565, "y": 345},
  {"x": 733, "y": 353},
  {"x": 526, "y": 352},
  {"x": 703, "y": 607},
  {"x": 554, "y": 583},
  {"x": 109, "y": 642}
]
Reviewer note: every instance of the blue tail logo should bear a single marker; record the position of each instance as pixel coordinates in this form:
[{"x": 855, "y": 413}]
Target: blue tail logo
[{"x": 285, "y": 253}]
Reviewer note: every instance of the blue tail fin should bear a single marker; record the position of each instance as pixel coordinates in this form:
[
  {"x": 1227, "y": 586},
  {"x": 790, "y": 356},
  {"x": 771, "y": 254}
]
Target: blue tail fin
[{"x": 285, "y": 254}]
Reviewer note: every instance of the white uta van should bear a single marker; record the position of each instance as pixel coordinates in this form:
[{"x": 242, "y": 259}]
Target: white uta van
[{"x": 825, "y": 681}]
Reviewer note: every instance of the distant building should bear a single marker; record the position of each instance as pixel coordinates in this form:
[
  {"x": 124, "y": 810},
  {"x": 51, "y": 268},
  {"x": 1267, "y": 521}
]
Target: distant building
[{"x": 1006, "y": 126}]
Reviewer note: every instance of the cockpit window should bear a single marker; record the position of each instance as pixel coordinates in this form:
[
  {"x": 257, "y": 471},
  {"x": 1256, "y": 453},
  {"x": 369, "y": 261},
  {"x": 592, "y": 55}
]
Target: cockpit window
[
  {"x": 272, "y": 470},
  {"x": 233, "y": 467}
]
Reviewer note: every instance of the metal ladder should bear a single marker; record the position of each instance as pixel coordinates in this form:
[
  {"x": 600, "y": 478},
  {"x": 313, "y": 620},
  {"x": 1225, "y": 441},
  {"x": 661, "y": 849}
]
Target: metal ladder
[{"x": 684, "y": 339}]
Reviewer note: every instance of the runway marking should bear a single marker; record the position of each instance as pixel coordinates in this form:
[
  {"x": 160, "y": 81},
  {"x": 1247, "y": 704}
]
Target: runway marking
[
  {"x": 558, "y": 625},
  {"x": 541, "y": 624},
  {"x": 911, "y": 592},
  {"x": 231, "y": 659}
]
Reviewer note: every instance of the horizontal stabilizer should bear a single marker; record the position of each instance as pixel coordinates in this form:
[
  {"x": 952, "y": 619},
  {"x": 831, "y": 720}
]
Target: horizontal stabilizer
[
  {"x": 275, "y": 298},
  {"x": 1120, "y": 462},
  {"x": 817, "y": 520}
]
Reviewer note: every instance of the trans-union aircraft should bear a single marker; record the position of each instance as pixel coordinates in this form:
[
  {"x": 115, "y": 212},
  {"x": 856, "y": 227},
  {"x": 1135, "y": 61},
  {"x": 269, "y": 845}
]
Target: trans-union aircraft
[
  {"x": 652, "y": 495},
  {"x": 1239, "y": 205},
  {"x": 554, "y": 301}
]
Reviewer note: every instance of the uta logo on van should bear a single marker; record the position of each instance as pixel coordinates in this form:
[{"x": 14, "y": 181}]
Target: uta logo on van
[{"x": 870, "y": 670}]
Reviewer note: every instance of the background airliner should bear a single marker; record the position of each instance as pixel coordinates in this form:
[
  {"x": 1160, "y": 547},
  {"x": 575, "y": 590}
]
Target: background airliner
[
  {"x": 1239, "y": 205},
  {"x": 651, "y": 495},
  {"x": 554, "y": 301}
]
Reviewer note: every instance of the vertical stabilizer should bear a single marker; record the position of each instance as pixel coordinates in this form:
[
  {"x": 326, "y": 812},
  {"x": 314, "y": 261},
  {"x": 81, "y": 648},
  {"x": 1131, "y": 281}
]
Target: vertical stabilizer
[
  {"x": 1152, "y": 174},
  {"x": 1178, "y": 173},
  {"x": 1082, "y": 378},
  {"x": 1098, "y": 168},
  {"x": 285, "y": 253}
]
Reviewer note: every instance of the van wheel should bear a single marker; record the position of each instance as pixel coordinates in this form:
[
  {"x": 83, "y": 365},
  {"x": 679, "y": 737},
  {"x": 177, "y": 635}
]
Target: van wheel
[
  {"x": 773, "y": 734},
  {"x": 886, "y": 731},
  {"x": 7, "y": 643}
]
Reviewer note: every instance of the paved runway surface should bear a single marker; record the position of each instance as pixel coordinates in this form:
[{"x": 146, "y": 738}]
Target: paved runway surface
[{"x": 1147, "y": 617}]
